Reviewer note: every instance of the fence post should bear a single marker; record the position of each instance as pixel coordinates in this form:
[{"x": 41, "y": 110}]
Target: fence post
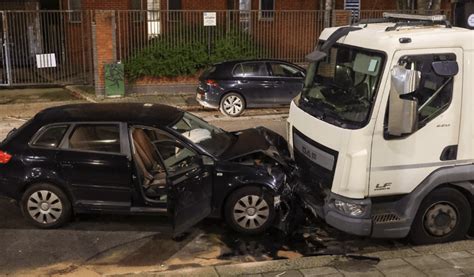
[{"x": 104, "y": 47}]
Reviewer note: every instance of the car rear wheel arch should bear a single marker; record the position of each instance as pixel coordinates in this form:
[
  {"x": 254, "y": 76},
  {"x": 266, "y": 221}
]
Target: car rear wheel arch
[
  {"x": 58, "y": 185},
  {"x": 236, "y": 92},
  {"x": 228, "y": 93},
  {"x": 59, "y": 205}
]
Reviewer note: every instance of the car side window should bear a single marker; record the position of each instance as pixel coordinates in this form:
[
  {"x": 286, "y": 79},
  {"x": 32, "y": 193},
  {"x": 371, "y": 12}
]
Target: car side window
[
  {"x": 251, "y": 69},
  {"x": 284, "y": 70},
  {"x": 50, "y": 137},
  {"x": 99, "y": 138},
  {"x": 176, "y": 156}
]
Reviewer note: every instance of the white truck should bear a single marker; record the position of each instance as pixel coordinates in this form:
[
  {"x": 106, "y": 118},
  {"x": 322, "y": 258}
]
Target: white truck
[{"x": 383, "y": 131}]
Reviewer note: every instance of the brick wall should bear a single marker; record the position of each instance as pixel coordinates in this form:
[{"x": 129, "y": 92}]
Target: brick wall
[
  {"x": 104, "y": 46},
  {"x": 18, "y": 5},
  {"x": 100, "y": 4},
  {"x": 198, "y": 5}
]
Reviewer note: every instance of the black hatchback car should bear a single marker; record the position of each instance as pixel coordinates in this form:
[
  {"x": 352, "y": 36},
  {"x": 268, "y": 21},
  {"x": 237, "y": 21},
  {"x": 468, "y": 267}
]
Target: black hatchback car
[
  {"x": 235, "y": 85},
  {"x": 142, "y": 158}
]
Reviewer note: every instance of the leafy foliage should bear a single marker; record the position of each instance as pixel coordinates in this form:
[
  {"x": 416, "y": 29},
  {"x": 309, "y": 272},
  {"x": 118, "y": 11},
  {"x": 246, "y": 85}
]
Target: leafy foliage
[{"x": 173, "y": 56}]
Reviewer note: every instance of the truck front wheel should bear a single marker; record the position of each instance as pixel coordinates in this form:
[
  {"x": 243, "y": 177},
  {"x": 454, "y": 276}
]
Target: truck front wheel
[{"x": 444, "y": 215}]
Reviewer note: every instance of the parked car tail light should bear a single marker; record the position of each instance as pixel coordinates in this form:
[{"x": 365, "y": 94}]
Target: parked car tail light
[
  {"x": 212, "y": 83},
  {"x": 4, "y": 157}
]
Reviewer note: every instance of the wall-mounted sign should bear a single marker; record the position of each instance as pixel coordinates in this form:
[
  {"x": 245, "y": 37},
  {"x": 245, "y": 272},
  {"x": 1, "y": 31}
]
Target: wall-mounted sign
[
  {"x": 210, "y": 18},
  {"x": 470, "y": 20},
  {"x": 45, "y": 60}
]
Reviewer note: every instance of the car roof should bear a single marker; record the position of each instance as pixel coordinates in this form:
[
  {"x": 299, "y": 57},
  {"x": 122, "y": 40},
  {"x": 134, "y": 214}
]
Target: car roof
[
  {"x": 135, "y": 113},
  {"x": 252, "y": 60}
]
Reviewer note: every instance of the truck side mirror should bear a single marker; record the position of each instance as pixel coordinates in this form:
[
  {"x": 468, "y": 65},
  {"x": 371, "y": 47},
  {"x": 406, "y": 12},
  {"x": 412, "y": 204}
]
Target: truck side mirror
[{"x": 403, "y": 112}]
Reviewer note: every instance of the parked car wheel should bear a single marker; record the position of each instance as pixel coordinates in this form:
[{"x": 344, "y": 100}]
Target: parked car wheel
[
  {"x": 232, "y": 104},
  {"x": 444, "y": 215},
  {"x": 249, "y": 210},
  {"x": 46, "y": 206}
]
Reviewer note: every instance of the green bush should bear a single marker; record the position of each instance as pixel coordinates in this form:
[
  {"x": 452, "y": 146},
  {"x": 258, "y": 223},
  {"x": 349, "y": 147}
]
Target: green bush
[{"x": 163, "y": 59}]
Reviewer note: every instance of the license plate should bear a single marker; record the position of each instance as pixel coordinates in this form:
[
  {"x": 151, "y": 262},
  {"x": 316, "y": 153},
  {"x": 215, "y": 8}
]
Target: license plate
[{"x": 199, "y": 96}]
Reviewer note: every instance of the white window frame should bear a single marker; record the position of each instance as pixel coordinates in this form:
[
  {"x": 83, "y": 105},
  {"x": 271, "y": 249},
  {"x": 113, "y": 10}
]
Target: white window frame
[{"x": 153, "y": 18}]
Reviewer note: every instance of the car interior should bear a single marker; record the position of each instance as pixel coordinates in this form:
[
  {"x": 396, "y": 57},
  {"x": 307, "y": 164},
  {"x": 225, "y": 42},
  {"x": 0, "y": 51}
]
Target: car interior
[
  {"x": 149, "y": 164},
  {"x": 159, "y": 156},
  {"x": 102, "y": 138}
]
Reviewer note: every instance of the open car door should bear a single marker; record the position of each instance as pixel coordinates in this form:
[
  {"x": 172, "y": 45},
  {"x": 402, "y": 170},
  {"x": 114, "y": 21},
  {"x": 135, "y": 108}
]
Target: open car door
[{"x": 190, "y": 188}]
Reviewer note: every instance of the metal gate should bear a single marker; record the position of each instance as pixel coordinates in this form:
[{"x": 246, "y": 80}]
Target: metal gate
[{"x": 45, "y": 47}]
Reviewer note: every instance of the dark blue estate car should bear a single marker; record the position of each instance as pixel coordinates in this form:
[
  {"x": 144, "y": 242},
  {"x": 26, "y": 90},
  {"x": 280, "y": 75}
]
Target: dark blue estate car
[
  {"x": 142, "y": 158},
  {"x": 235, "y": 85}
]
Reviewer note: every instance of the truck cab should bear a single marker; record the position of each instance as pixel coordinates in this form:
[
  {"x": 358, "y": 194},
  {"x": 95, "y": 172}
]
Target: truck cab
[{"x": 383, "y": 130}]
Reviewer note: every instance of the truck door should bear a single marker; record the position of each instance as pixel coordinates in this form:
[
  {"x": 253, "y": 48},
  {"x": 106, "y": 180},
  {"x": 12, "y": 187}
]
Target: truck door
[{"x": 400, "y": 163}]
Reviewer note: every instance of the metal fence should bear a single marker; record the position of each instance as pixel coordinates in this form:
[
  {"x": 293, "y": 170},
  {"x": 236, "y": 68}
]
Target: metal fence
[
  {"x": 287, "y": 35},
  {"x": 45, "y": 47},
  {"x": 56, "y": 47}
]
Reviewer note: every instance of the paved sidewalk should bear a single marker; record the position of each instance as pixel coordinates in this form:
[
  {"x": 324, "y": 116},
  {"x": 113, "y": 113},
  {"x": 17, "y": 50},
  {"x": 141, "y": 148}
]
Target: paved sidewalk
[
  {"x": 453, "y": 259},
  {"x": 182, "y": 100}
]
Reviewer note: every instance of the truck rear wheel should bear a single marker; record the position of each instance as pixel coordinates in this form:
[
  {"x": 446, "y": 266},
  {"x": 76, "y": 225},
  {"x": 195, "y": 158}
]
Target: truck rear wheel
[{"x": 443, "y": 216}]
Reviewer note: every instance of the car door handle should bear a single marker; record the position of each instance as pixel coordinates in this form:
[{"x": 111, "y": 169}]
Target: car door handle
[
  {"x": 278, "y": 82},
  {"x": 244, "y": 81}
]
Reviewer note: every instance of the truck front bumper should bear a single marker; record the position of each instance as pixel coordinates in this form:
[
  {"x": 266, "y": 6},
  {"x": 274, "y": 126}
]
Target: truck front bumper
[{"x": 365, "y": 225}]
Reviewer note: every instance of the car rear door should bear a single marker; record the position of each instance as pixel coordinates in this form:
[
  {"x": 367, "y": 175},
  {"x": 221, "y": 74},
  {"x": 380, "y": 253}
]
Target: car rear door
[
  {"x": 189, "y": 184},
  {"x": 287, "y": 82},
  {"x": 94, "y": 163},
  {"x": 253, "y": 82}
]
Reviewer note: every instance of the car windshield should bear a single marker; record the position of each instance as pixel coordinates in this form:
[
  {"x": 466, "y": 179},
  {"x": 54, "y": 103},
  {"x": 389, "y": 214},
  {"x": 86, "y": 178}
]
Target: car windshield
[
  {"x": 210, "y": 138},
  {"x": 341, "y": 88}
]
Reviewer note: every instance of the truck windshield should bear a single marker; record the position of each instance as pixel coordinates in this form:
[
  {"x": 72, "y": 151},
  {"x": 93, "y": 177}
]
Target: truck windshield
[{"x": 341, "y": 88}]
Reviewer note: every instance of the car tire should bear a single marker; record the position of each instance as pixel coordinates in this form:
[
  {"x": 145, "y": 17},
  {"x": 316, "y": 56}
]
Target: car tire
[
  {"x": 249, "y": 210},
  {"x": 443, "y": 216},
  {"x": 232, "y": 104},
  {"x": 46, "y": 206}
]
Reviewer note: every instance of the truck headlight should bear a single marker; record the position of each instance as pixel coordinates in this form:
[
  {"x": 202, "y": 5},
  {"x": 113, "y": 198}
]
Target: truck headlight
[{"x": 350, "y": 208}]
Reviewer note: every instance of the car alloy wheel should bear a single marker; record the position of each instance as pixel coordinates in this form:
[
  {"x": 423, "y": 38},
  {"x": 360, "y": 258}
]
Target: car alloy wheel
[
  {"x": 251, "y": 212},
  {"x": 44, "y": 206},
  {"x": 232, "y": 105}
]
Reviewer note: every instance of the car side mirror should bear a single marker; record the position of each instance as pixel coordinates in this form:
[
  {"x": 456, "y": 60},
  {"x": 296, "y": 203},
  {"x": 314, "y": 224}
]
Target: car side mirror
[
  {"x": 403, "y": 112},
  {"x": 206, "y": 160}
]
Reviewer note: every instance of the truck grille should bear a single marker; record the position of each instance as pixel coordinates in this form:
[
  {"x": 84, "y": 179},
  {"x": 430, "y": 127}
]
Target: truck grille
[
  {"x": 385, "y": 218},
  {"x": 317, "y": 164}
]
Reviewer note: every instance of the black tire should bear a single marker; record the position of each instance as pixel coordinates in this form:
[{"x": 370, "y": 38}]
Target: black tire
[
  {"x": 434, "y": 221},
  {"x": 56, "y": 212},
  {"x": 235, "y": 109},
  {"x": 246, "y": 222}
]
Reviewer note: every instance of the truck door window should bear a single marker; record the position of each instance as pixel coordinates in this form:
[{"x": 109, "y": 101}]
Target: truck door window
[{"x": 435, "y": 91}]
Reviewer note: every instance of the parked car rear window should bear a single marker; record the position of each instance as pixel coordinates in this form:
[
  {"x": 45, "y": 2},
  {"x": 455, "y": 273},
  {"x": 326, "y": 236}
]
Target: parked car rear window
[
  {"x": 101, "y": 138},
  {"x": 50, "y": 137},
  {"x": 208, "y": 72},
  {"x": 251, "y": 69}
]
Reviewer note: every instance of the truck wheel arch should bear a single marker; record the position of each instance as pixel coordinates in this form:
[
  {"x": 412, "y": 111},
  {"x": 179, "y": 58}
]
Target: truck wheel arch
[{"x": 458, "y": 177}]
